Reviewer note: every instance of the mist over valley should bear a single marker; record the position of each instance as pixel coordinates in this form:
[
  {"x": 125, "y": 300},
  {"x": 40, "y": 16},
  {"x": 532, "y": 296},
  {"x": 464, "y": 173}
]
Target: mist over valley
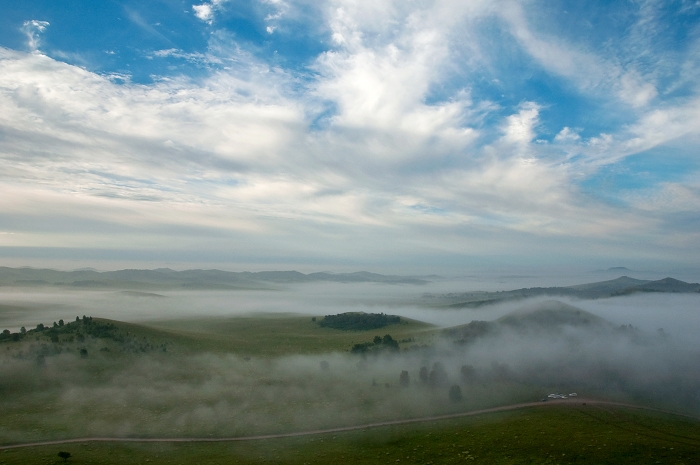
[{"x": 169, "y": 363}]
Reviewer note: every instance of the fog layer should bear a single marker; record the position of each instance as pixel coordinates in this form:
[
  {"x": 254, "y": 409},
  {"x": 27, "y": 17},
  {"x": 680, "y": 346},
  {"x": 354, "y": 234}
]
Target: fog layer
[{"x": 157, "y": 394}]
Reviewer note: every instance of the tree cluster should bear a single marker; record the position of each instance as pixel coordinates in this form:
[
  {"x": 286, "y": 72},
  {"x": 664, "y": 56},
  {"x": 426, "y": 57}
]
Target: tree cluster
[
  {"x": 61, "y": 333},
  {"x": 437, "y": 377},
  {"x": 358, "y": 321},
  {"x": 378, "y": 344}
]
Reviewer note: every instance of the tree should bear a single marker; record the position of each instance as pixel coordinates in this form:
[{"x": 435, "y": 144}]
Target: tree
[
  {"x": 23, "y": 330},
  {"x": 404, "y": 379},
  {"x": 64, "y": 455},
  {"x": 468, "y": 373},
  {"x": 423, "y": 374},
  {"x": 390, "y": 342},
  {"x": 455, "y": 393},
  {"x": 438, "y": 375},
  {"x": 377, "y": 340},
  {"x": 60, "y": 323},
  {"x": 83, "y": 353}
]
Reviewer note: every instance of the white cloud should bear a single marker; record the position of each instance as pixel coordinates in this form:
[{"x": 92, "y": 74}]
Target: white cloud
[
  {"x": 378, "y": 143},
  {"x": 32, "y": 29},
  {"x": 136, "y": 18},
  {"x": 592, "y": 73},
  {"x": 567, "y": 135},
  {"x": 205, "y": 12},
  {"x": 192, "y": 57},
  {"x": 520, "y": 128}
]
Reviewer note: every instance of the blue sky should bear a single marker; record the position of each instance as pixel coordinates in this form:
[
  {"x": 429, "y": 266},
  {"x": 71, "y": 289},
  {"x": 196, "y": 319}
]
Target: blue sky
[{"x": 411, "y": 136}]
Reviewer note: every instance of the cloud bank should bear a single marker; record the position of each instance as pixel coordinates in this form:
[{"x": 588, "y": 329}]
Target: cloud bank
[{"x": 409, "y": 134}]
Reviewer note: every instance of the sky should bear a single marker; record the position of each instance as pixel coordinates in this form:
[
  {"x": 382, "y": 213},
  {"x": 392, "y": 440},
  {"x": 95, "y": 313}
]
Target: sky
[{"x": 394, "y": 136}]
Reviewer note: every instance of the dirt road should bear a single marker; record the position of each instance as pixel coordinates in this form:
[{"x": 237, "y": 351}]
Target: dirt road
[{"x": 568, "y": 402}]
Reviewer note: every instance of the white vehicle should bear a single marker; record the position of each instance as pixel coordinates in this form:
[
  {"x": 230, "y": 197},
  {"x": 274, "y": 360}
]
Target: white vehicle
[
  {"x": 573, "y": 394},
  {"x": 552, "y": 396}
]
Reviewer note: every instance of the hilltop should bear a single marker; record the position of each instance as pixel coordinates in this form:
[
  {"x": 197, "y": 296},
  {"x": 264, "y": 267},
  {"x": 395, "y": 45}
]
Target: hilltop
[{"x": 550, "y": 317}]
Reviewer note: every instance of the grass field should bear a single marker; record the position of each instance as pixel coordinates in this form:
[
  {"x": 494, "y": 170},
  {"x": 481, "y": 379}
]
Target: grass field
[
  {"x": 267, "y": 335},
  {"x": 275, "y": 334},
  {"x": 269, "y": 374},
  {"x": 551, "y": 434},
  {"x": 228, "y": 377}
]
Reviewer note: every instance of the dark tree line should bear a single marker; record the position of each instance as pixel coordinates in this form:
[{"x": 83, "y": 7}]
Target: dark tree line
[
  {"x": 378, "y": 344},
  {"x": 355, "y": 321}
]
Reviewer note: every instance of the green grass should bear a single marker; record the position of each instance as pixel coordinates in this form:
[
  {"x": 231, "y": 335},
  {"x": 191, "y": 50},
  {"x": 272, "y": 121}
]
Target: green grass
[
  {"x": 215, "y": 394},
  {"x": 267, "y": 335},
  {"x": 274, "y": 335},
  {"x": 549, "y": 434}
]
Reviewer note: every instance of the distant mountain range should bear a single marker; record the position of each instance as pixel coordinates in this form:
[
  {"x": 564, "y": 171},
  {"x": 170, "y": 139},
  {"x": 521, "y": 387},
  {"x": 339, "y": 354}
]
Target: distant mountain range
[
  {"x": 165, "y": 278},
  {"x": 615, "y": 287},
  {"x": 189, "y": 279}
]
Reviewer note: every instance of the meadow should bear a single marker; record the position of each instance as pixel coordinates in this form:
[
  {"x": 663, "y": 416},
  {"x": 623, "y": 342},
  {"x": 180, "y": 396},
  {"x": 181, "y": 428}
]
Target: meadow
[
  {"x": 551, "y": 434},
  {"x": 269, "y": 373}
]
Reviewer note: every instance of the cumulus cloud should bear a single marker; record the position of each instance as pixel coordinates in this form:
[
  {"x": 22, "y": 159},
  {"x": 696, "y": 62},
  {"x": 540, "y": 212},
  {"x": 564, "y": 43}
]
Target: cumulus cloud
[
  {"x": 207, "y": 10},
  {"x": 567, "y": 135},
  {"x": 204, "y": 12},
  {"x": 520, "y": 128}
]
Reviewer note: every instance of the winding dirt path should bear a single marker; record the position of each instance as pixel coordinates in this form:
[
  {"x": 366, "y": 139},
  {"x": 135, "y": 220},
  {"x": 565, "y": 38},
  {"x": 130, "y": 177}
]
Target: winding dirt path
[{"x": 569, "y": 402}]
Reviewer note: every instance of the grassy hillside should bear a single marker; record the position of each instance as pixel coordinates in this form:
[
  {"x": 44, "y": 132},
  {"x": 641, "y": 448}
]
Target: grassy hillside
[
  {"x": 221, "y": 377},
  {"x": 540, "y": 435},
  {"x": 266, "y": 335},
  {"x": 274, "y": 334},
  {"x": 551, "y": 314}
]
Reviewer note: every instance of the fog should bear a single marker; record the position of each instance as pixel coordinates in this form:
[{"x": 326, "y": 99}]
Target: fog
[
  {"x": 42, "y": 305},
  {"x": 208, "y": 394},
  {"x": 677, "y": 314}
]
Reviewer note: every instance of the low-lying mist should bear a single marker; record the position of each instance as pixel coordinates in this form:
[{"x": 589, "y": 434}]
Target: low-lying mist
[
  {"x": 159, "y": 394},
  {"x": 22, "y": 307},
  {"x": 163, "y": 394}
]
